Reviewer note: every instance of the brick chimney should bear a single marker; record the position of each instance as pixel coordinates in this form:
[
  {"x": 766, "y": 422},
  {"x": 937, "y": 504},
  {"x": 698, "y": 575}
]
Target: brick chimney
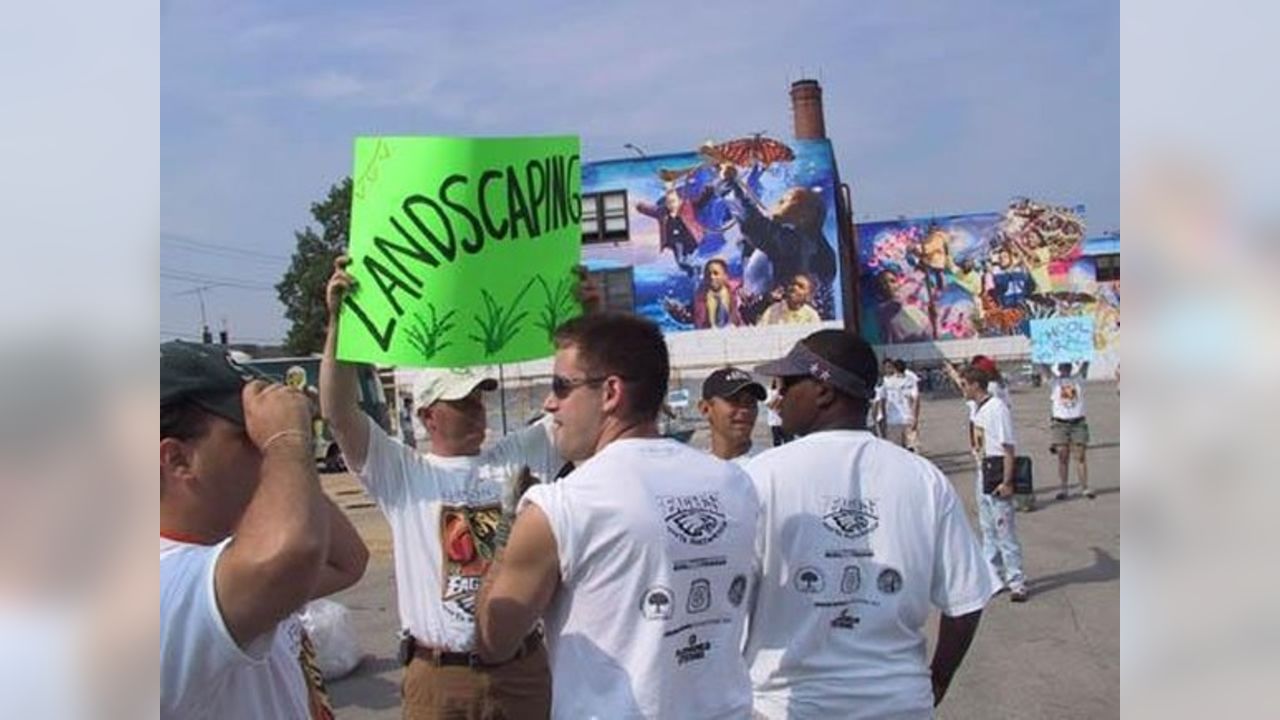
[{"x": 806, "y": 108}]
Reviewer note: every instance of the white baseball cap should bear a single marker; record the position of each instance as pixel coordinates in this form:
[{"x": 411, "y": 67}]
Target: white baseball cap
[{"x": 451, "y": 384}]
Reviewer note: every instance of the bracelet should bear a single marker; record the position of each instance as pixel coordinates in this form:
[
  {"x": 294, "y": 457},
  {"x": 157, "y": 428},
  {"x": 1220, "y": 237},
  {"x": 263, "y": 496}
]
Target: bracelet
[{"x": 283, "y": 434}]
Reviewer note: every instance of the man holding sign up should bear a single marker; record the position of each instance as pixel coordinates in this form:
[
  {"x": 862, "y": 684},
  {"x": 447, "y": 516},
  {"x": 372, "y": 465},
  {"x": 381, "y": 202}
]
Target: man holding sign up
[{"x": 462, "y": 255}]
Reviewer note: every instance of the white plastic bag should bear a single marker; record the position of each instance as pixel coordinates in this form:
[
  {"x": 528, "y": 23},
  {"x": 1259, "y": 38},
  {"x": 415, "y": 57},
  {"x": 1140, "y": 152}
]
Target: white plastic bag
[{"x": 329, "y": 625}]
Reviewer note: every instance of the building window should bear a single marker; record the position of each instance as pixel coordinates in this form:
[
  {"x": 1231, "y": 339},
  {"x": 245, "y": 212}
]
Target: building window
[
  {"x": 618, "y": 287},
  {"x": 604, "y": 217},
  {"x": 1108, "y": 267}
]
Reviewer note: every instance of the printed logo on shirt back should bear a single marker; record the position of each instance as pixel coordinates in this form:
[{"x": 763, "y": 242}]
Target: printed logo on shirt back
[
  {"x": 657, "y": 603},
  {"x": 696, "y": 519},
  {"x": 850, "y": 517},
  {"x": 693, "y": 650}
]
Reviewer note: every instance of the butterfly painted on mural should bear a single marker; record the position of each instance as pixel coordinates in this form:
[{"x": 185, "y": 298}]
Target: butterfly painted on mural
[{"x": 748, "y": 151}]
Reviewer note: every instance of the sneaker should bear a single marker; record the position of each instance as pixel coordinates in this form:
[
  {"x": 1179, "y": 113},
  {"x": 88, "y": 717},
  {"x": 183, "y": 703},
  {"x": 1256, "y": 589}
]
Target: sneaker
[
  {"x": 1019, "y": 596},
  {"x": 1088, "y": 493},
  {"x": 1061, "y": 496}
]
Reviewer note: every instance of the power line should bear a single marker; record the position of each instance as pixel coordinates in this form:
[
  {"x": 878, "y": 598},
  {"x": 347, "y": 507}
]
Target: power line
[
  {"x": 216, "y": 280},
  {"x": 217, "y": 248}
]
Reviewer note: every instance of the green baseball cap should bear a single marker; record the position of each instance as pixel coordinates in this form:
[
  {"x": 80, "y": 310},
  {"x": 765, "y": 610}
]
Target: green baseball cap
[{"x": 205, "y": 375}]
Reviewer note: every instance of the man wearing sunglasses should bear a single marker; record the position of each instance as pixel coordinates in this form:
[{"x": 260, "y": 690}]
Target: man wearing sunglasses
[
  {"x": 640, "y": 561},
  {"x": 860, "y": 538},
  {"x": 247, "y": 537},
  {"x": 445, "y": 508}
]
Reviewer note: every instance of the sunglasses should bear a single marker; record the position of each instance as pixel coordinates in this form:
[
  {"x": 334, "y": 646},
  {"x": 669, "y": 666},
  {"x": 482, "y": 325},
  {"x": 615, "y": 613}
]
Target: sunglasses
[{"x": 562, "y": 386}]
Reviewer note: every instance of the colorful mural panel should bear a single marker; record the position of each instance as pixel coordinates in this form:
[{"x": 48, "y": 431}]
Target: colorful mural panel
[
  {"x": 736, "y": 234},
  {"x": 970, "y": 276}
]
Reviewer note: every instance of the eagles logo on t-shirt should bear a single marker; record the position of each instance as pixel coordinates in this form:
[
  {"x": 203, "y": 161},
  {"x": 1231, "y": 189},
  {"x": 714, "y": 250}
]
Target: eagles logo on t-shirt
[
  {"x": 696, "y": 519},
  {"x": 850, "y": 517},
  {"x": 467, "y": 536}
]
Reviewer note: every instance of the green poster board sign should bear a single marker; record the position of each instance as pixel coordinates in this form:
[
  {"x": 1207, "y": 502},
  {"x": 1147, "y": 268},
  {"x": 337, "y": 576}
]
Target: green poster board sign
[{"x": 463, "y": 249}]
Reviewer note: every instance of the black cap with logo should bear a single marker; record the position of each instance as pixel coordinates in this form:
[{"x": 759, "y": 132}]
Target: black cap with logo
[
  {"x": 204, "y": 375},
  {"x": 729, "y": 381}
]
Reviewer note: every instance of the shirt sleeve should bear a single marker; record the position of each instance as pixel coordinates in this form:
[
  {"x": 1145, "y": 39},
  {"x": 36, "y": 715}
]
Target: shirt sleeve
[
  {"x": 553, "y": 503},
  {"x": 961, "y": 578},
  {"x": 533, "y": 446},
  {"x": 387, "y": 466},
  {"x": 196, "y": 648}
]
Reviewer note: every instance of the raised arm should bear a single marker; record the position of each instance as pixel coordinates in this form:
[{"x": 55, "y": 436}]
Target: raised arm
[
  {"x": 273, "y": 561},
  {"x": 339, "y": 399},
  {"x": 518, "y": 586}
]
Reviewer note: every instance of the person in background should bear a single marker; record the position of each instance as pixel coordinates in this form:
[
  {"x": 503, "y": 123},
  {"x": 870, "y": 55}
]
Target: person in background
[
  {"x": 771, "y": 415},
  {"x": 1068, "y": 428},
  {"x": 913, "y": 432},
  {"x": 730, "y": 402},
  {"x": 994, "y": 449}
]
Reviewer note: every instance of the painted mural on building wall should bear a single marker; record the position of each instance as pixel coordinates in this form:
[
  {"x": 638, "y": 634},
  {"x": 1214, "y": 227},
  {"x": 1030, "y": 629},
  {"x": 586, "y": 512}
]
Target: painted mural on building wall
[
  {"x": 970, "y": 276},
  {"x": 739, "y": 233}
]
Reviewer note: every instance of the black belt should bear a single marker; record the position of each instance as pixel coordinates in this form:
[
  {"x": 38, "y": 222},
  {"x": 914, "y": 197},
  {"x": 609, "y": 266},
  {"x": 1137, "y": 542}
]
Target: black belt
[
  {"x": 449, "y": 658},
  {"x": 1072, "y": 421}
]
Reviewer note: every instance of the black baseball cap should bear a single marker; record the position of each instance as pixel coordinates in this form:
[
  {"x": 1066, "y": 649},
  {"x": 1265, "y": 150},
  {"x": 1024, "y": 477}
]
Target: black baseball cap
[
  {"x": 728, "y": 381},
  {"x": 205, "y": 375},
  {"x": 836, "y": 357}
]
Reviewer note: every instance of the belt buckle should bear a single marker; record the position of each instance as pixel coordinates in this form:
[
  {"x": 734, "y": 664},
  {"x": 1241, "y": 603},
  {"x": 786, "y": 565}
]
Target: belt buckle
[{"x": 474, "y": 662}]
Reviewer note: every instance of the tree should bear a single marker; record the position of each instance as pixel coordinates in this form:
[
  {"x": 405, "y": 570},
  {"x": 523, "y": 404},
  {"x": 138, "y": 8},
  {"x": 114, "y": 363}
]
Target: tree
[{"x": 302, "y": 288}]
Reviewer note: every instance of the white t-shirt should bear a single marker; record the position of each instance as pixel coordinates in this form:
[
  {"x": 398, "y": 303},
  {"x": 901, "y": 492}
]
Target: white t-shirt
[
  {"x": 897, "y": 393},
  {"x": 1066, "y": 393},
  {"x": 203, "y": 672},
  {"x": 994, "y": 426},
  {"x": 995, "y": 389},
  {"x": 771, "y": 415},
  {"x": 860, "y": 538},
  {"x": 656, "y": 544},
  {"x": 443, "y": 512}
]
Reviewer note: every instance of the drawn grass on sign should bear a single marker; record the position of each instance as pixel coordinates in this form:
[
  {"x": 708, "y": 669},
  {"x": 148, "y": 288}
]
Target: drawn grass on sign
[
  {"x": 498, "y": 325},
  {"x": 559, "y": 304},
  {"x": 425, "y": 336}
]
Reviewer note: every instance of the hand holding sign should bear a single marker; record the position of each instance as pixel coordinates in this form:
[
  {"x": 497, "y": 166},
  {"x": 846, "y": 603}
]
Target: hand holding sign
[
  {"x": 340, "y": 283},
  {"x": 462, "y": 250},
  {"x": 1062, "y": 339}
]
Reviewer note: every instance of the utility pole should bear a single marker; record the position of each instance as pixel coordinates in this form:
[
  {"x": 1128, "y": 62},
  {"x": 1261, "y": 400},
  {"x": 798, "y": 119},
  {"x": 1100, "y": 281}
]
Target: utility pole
[{"x": 205, "y": 335}]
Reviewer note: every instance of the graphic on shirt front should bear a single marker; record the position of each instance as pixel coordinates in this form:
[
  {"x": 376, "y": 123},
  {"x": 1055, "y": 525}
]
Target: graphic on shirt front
[
  {"x": 699, "y": 596},
  {"x": 467, "y": 536},
  {"x": 693, "y": 650},
  {"x": 850, "y": 580},
  {"x": 845, "y": 621},
  {"x": 737, "y": 590},
  {"x": 889, "y": 581},
  {"x": 809, "y": 579},
  {"x": 1068, "y": 395},
  {"x": 656, "y": 603},
  {"x": 696, "y": 519},
  {"x": 850, "y": 517}
]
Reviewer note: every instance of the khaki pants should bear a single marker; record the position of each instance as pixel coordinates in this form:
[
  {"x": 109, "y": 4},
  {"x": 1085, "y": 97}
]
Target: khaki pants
[{"x": 513, "y": 691}]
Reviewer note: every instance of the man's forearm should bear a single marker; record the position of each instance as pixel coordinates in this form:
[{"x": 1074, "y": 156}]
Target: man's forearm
[
  {"x": 954, "y": 636},
  {"x": 347, "y": 557},
  {"x": 339, "y": 401},
  {"x": 285, "y": 528}
]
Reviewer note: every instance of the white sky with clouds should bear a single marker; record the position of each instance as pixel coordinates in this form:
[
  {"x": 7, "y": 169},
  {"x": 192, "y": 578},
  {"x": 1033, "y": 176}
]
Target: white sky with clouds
[{"x": 933, "y": 107}]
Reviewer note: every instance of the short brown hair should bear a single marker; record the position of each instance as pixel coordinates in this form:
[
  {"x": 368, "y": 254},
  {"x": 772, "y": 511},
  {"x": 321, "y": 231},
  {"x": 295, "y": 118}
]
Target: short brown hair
[
  {"x": 976, "y": 375},
  {"x": 626, "y": 345}
]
